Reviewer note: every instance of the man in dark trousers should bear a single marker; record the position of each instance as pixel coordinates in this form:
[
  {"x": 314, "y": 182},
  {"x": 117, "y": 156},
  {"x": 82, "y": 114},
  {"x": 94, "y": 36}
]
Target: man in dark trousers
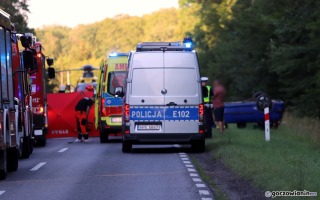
[
  {"x": 207, "y": 94},
  {"x": 82, "y": 110}
]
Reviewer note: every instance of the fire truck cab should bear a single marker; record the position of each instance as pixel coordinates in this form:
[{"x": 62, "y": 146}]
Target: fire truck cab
[{"x": 38, "y": 92}]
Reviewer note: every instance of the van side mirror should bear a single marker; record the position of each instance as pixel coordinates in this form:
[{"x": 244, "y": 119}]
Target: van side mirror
[
  {"x": 50, "y": 61},
  {"x": 118, "y": 92},
  {"x": 51, "y": 73},
  {"x": 29, "y": 61}
]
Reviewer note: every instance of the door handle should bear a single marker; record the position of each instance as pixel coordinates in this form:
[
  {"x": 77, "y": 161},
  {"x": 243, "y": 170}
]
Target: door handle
[
  {"x": 171, "y": 104},
  {"x": 164, "y": 91}
]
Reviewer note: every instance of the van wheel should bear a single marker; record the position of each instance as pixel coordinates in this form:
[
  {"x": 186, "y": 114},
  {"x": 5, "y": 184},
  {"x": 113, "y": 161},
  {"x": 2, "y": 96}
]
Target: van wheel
[
  {"x": 3, "y": 162},
  {"x": 25, "y": 147},
  {"x": 12, "y": 159},
  {"x": 199, "y": 146},
  {"x": 126, "y": 147},
  {"x": 104, "y": 136}
]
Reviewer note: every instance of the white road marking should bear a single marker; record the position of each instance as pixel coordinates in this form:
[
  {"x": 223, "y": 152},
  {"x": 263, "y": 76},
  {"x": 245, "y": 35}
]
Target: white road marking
[
  {"x": 194, "y": 175},
  {"x": 1, "y": 192},
  {"x": 189, "y": 166},
  {"x": 182, "y": 153},
  {"x": 196, "y": 179},
  {"x": 206, "y": 198},
  {"x": 186, "y": 162},
  {"x": 191, "y": 170},
  {"x": 35, "y": 168},
  {"x": 63, "y": 150},
  {"x": 204, "y": 192},
  {"x": 185, "y": 158},
  {"x": 200, "y": 185}
]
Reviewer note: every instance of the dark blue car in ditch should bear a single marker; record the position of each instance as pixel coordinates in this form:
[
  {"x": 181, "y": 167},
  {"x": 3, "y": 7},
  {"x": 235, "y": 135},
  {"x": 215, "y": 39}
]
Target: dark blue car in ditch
[{"x": 248, "y": 111}]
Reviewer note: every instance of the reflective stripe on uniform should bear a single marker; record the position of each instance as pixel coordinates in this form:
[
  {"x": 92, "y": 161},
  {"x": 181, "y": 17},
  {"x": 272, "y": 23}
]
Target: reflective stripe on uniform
[{"x": 207, "y": 98}]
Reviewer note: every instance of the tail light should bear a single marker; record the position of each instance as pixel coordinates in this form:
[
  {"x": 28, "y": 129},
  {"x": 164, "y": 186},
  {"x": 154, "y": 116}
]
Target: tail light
[
  {"x": 38, "y": 110},
  {"x": 127, "y": 112},
  {"x": 103, "y": 108},
  {"x": 1, "y": 128},
  {"x": 201, "y": 112}
]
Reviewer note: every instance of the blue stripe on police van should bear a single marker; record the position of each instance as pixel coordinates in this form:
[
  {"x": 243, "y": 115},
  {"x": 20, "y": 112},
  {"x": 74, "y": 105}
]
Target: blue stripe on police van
[{"x": 172, "y": 113}]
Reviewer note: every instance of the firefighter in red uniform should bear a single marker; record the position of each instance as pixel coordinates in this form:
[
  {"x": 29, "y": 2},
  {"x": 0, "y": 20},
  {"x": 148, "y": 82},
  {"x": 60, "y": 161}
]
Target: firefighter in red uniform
[{"x": 82, "y": 112}]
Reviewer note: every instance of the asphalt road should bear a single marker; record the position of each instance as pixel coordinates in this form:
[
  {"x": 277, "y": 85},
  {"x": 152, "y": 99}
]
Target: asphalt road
[{"x": 101, "y": 171}]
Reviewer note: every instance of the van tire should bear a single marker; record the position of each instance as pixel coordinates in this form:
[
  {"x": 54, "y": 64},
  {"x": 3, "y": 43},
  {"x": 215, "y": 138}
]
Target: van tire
[
  {"x": 126, "y": 147},
  {"x": 198, "y": 146},
  {"x": 12, "y": 159}
]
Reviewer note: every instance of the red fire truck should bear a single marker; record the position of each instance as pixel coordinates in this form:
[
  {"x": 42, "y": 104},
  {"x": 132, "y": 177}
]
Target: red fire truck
[
  {"x": 39, "y": 94},
  {"x": 9, "y": 149},
  {"x": 22, "y": 96}
]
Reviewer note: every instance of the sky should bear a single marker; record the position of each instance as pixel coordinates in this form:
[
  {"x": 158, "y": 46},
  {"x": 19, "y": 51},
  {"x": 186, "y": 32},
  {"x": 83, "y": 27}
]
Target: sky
[{"x": 74, "y": 12}]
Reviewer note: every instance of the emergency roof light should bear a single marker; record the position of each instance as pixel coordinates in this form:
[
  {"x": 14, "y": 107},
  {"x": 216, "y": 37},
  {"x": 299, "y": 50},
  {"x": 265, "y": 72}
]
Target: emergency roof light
[
  {"x": 115, "y": 54},
  {"x": 166, "y": 46},
  {"x": 187, "y": 43}
]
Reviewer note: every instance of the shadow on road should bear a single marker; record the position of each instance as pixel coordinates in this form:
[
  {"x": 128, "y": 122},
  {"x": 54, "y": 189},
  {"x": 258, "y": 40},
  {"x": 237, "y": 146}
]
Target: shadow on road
[{"x": 161, "y": 149}]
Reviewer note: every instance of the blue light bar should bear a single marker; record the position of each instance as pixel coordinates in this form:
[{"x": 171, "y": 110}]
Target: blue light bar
[
  {"x": 187, "y": 43},
  {"x": 113, "y": 54}
]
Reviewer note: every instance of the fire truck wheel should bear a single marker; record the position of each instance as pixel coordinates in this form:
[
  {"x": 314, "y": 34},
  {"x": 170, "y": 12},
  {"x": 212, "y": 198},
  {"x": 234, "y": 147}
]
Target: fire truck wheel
[
  {"x": 25, "y": 147},
  {"x": 41, "y": 142},
  {"x": 3, "y": 167},
  {"x": 12, "y": 159},
  {"x": 104, "y": 137},
  {"x": 31, "y": 142}
]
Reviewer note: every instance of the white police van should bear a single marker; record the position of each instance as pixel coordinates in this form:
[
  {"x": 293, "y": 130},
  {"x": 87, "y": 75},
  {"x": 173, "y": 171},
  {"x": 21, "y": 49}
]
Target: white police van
[{"x": 162, "y": 96}]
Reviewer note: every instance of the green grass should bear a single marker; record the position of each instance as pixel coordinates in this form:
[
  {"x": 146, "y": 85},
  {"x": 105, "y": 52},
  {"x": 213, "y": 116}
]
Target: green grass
[{"x": 290, "y": 161}]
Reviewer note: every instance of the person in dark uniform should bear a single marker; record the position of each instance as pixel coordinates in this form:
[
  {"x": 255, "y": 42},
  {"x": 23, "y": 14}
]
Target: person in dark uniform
[
  {"x": 207, "y": 94},
  {"x": 82, "y": 110}
]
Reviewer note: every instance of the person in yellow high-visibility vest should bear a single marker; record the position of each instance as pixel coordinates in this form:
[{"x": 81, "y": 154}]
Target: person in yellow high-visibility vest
[{"x": 207, "y": 95}]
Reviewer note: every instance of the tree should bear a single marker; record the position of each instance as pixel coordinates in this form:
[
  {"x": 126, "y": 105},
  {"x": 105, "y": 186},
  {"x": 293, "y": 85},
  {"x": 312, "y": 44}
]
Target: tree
[{"x": 18, "y": 10}]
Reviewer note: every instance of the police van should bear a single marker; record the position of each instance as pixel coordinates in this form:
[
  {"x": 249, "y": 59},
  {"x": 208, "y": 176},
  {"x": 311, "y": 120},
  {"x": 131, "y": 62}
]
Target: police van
[{"x": 162, "y": 96}]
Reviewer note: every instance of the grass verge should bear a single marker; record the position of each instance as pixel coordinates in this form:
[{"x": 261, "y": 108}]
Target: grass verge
[{"x": 288, "y": 162}]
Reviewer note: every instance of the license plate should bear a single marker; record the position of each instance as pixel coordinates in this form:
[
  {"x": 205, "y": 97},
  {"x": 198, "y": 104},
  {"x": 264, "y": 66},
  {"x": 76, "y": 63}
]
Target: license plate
[
  {"x": 116, "y": 120},
  {"x": 38, "y": 132},
  {"x": 149, "y": 127}
]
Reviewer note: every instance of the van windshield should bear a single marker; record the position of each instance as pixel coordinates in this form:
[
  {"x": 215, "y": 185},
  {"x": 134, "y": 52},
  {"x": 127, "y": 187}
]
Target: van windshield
[{"x": 115, "y": 79}]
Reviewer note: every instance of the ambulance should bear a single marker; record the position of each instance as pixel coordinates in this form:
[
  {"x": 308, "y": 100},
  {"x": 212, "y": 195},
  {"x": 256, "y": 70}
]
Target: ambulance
[
  {"x": 163, "y": 96},
  {"x": 108, "y": 104}
]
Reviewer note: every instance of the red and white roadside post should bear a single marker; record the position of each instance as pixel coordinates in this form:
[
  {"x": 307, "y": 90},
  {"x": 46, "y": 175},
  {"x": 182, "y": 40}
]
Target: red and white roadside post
[{"x": 267, "y": 124}]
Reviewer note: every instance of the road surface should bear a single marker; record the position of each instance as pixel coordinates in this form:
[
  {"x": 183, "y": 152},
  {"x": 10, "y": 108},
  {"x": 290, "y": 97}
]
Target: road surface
[{"x": 63, "y": 170}]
